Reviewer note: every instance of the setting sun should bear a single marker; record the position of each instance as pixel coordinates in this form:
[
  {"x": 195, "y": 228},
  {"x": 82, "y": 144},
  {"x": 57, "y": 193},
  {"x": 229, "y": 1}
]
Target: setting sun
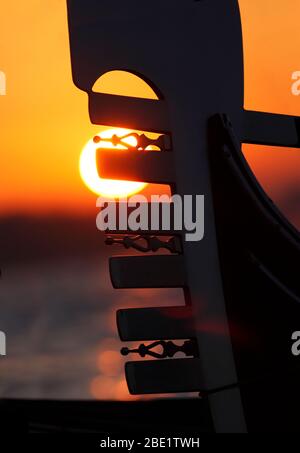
[{"x": 88, "y": 168}]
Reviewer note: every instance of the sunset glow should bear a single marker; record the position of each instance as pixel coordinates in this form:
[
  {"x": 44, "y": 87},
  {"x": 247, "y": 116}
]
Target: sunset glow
[
  {"x": 88, "y": 169},
  {"x": 51, "y": 114},
  {"x": 56, "y": 277}
]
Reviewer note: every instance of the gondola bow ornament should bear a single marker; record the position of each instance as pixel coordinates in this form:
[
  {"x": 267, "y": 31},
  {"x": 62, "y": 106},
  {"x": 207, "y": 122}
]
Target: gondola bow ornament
[{"x": 240, "y": 283}]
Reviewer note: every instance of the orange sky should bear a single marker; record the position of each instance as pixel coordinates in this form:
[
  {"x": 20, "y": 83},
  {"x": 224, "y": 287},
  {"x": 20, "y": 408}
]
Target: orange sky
[{"x": 44, "y": 118}]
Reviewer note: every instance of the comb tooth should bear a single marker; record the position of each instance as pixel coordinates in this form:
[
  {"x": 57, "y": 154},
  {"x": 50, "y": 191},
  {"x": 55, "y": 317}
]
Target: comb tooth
[
  {"x": 165, "y": 323},
  {"x": 271, "y": 129},
  {"x": 149, "y": 166},
  {"x": 162, "y": 271},
  {"x": 130, "y": 113},
  {"x": 164, "y": 376}
]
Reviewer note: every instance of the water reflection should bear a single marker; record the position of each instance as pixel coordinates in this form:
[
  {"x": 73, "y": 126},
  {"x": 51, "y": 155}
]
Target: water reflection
[{"x": 61, "y": 330}]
